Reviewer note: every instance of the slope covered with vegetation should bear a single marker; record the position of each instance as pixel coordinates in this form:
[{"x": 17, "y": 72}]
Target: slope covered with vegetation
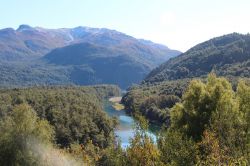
[
  {"x": 94, "y": 64},
  {"x": 80, "y": 56},
  {"x": 74, "y": 112},
  {"x": 210, "y": 126},
  {"x": 154, "y": 101},
  {"x": 227, "y": 55}
]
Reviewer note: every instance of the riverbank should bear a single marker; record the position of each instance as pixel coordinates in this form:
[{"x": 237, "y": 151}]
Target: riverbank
[
  {"x": 116, "y": 103},
  {"x": 115, "y": 99},
  {"x": 125, "y": 130}
]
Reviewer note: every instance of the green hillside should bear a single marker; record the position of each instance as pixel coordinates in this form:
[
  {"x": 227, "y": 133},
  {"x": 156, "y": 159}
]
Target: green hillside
[
  {"x": 228, "y": 56},
  {"x": 74, "y": 112}
]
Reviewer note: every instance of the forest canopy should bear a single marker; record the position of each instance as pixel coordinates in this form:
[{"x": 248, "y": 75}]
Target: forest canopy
[
  {"x": 74, "y": 112},
  {"x": 209, "y": 125}
]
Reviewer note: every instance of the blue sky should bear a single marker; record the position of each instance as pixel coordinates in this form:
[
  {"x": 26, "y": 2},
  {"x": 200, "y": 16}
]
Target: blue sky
[{"x": 179, "y": 24}]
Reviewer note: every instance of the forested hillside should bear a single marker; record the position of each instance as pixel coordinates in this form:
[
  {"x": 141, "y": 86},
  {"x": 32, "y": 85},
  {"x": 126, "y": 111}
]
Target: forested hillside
[
  {"x": 32, "y": 118},
  {"x": 208, "y": 126},
  {"x": 66, "y": 126},
  {"x": 80, "y": 56},
  {"x": 228, "y": 56},
  {"x": 155, "y": 101},
  {"x": 95, "y": 64},
  {"x": 74, "y": 112}
]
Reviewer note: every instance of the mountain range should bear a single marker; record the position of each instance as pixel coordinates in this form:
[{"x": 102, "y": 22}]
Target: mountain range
[{"x": 81, "y": 55}]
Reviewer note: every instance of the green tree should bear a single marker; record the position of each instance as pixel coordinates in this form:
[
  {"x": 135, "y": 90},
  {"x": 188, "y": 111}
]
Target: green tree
[
  {"x": 114, "y": 156},
  {"x": 177, "y": 149},
  {"x": 211, "y": 106},
  {"x": 20, "y": 132},
  {"x": 212, "y": 154},
  {"x": 243, "y": 94},
  {"x": 142, "y": 151}
]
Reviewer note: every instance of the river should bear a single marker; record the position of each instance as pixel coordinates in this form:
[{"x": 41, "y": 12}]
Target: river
[{"x": 125, "y": 129}]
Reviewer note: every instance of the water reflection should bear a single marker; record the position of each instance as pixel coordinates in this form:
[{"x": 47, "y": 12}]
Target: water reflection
[{"x": 125, "y": 129}]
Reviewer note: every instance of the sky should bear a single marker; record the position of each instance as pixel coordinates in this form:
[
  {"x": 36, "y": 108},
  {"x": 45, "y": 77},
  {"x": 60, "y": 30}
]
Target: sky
[{"x": 178, "y": 24}]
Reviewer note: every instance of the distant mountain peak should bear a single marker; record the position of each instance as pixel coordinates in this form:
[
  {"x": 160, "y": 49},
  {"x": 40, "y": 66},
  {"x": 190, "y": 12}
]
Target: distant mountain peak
[
  {"x": 29, "y": 41},
  {"x": 7, "y": 30},
  {"x": 80, "y": 55},
  {"x": 24, "y": 27}
]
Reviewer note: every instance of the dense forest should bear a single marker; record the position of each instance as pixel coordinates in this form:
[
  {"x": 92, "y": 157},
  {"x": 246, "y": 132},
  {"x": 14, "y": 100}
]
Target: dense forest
[
  {"x": 74, "y": 114},
  {"x": 208, "y": 126},
  {"x": 227, "y": 56},
  {"x": 154, "y": 101}
]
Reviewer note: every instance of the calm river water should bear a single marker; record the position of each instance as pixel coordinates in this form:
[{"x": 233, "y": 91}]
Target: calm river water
[{"x": 125, "y": 129}]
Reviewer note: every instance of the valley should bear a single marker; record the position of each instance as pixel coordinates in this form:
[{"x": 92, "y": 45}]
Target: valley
[
  {"x": 226, "y": 56},
  {"x": 124, "y": 83},
  {"x": 69, "y": 99},
  {"x": 125, "y": 130},
  {"x": 76, "y": 56}
]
